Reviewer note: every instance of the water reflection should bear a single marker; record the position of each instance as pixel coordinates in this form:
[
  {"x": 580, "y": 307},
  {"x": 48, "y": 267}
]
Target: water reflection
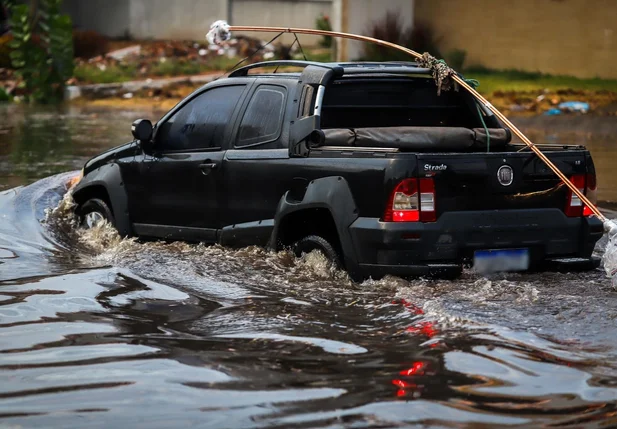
[
  {"x": 39, "y": 142},
  {"x": 596, "y": 133}
]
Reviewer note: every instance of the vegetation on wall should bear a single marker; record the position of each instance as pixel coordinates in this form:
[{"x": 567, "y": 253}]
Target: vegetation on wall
[
  {"x": 420, "y": 38},
  {"x": 323, "y": 23},
  {"x": 41, "y": 48},
  {"x": 89, "y": 44}
]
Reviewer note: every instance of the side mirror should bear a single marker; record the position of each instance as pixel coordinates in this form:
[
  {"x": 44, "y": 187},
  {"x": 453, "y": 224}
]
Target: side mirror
[{"x": 142, "y": 131}]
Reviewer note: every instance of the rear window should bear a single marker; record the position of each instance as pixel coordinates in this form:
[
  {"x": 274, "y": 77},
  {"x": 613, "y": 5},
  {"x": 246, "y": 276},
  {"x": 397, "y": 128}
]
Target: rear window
[
  {"x": 263, "y": 119},
  {"x": 357, "y": 103}
]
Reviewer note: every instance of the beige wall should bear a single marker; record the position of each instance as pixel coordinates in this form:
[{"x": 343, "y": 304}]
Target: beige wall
[
  {"x": 356, "y": 16},
  {"x": 573, "y": 37}
]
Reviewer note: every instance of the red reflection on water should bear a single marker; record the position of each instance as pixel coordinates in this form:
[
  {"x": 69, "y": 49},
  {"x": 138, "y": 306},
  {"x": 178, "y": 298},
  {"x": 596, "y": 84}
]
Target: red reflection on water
[
  {"x": 414, "y": 370},
  {"x": 425, "y": 328},
  {"x": 405, "y": 388},
  {"x": 403, "y": 384},
  {"x": 409, "y": 306}
]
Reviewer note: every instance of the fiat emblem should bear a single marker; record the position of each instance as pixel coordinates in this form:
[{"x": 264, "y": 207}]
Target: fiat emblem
[{"x": 505, "y": 175}]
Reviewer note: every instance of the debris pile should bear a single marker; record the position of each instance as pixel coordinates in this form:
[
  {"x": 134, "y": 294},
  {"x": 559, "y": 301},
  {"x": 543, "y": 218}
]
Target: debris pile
[
  {"x": 144, "y": 59},
  {"x": 150, "y": 58},
  {"x": 559, "y": 102}
]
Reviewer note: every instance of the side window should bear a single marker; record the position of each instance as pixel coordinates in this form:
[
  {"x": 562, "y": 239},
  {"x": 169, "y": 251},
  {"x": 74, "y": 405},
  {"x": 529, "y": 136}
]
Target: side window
[
  {"x": 201, "y": 123},
  {"x": 263, "y": 119}
]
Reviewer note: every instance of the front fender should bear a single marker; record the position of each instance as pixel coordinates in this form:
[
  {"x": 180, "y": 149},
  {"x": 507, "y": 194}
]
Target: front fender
[
  {"x": 109, "y": 177},
  {"x": 331, "y": 193}
]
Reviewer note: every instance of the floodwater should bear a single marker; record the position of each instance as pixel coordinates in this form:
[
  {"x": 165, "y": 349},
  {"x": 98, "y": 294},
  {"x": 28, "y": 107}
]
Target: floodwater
[{"x": 96, "y": 331}]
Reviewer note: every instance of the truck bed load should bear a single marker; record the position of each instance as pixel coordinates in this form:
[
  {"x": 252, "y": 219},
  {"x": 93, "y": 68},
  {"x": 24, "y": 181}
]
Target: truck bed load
[{"x": 419, "y": 139}]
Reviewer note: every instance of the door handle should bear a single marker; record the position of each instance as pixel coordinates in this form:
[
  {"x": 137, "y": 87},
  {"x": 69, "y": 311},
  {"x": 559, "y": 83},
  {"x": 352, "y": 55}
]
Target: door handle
[{"x": 208, "y": 166}]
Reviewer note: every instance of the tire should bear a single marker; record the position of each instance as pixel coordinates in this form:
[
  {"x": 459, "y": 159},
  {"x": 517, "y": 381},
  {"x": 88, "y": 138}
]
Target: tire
[
  {"x": 94, "y": 211},
  {"x": 315, "y": 242}
]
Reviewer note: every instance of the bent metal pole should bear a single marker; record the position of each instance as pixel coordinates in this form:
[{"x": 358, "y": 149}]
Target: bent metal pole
[{"x": 455, "y": 77}]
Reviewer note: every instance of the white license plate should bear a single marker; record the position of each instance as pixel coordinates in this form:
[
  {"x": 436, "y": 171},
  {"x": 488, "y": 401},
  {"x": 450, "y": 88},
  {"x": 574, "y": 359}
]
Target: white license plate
[{"x": 492, "y": 261}]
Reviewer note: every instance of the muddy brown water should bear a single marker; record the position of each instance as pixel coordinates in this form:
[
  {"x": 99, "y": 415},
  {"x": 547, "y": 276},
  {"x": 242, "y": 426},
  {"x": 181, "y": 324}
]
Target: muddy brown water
[{"x": 96, "y": 331}]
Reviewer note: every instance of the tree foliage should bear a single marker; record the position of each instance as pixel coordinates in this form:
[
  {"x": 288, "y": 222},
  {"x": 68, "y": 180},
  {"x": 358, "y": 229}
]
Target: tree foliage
[
  {"x": 42, "y": 48},
  {"x": 420, "y": 37},
  {"x": 323, "y": 23}
]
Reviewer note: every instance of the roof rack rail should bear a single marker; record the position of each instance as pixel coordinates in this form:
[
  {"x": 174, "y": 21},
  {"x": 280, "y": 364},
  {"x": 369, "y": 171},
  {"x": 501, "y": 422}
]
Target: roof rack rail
[
  {"x": 243, "y": 71},
  {"x": 387, "y": 70}
]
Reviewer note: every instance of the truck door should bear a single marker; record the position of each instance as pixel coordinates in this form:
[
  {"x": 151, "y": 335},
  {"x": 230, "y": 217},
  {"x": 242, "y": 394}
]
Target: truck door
[
  {"x": 183, "y": 176},
  {"x": 255, "y": 173}
]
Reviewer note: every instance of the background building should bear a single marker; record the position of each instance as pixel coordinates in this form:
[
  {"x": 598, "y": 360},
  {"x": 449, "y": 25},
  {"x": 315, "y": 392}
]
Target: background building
[
  {"x": 563, "y": 37},
  {"x": 191, "y": 19},
  {"x": 550, "y": 36}
]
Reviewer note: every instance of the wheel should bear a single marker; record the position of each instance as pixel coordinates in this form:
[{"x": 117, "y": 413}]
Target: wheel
[
  {"x": 93, "y": 212},
  {"x": 315, "y": 242}
]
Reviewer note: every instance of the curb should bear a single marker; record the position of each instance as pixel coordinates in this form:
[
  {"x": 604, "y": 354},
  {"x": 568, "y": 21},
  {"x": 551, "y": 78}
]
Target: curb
[{"x": 106, "y": 90}]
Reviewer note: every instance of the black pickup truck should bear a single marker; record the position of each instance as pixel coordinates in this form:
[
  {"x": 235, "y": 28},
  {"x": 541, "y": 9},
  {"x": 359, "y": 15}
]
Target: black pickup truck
[{"x": 363, "y": 161}]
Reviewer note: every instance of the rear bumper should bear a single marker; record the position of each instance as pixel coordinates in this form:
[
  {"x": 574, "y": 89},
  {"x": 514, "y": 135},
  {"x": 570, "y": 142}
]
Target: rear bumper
[{"x": 420, "y": 248}]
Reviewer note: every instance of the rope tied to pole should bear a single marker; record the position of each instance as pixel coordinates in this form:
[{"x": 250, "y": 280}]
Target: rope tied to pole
[{"x": 443, "y": 74}]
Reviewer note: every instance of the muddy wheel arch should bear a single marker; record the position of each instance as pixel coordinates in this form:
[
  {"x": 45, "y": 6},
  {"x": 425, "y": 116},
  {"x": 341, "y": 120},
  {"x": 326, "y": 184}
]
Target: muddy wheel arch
[
  {"x": 106, "y": 182},
  {"x": 329, "y": 195}
]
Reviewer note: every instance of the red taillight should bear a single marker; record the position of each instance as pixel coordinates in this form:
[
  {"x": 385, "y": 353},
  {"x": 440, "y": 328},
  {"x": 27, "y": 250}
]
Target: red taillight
[
  {"x": 592, "y": 184},
  {"x": 412, "y": 201},
  {"x": 586, "y": 183},
  {"x": 591, "y": 194},
  {"x": 403, "y": 205}
]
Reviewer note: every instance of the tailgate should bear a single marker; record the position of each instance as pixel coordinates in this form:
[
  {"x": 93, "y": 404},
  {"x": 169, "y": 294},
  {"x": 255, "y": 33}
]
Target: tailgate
[{"x": 497, "y": 181}]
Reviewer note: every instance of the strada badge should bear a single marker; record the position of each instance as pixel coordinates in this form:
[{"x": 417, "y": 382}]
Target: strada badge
[{"x": 441, "y": 167}]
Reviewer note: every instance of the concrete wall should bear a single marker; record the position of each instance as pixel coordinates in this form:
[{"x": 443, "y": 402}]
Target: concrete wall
[
  {"x": 109, "y": 17},
  {"x": 356, "y": 16},
  {"x": 280, "y": 13},
  {"x": 177, "y": 19},
  {"x": 572, "y": 37},
  {"x": 191, "y": 19}
]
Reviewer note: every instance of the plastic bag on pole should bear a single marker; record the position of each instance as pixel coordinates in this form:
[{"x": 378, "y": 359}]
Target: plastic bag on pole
[
  {"x": 219, "y": 32},
  {"x": 610, "y": 254}
]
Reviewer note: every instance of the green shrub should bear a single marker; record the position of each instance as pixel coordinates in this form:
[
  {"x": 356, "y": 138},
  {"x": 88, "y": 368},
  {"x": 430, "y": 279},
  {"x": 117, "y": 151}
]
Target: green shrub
[
  {"x": 176, "y": 68},
  {"x": 90, "y": 73},
  {"x": 323, "y": 23},
  {"x": 4, "y": 96},
  {"x": 456, "y": 59},
  {"x": 420, "y": 38},
  {"x": 42, "y": 48},
  {"x": 5, "y": 50},
  {"x": 89, "y": 44}
]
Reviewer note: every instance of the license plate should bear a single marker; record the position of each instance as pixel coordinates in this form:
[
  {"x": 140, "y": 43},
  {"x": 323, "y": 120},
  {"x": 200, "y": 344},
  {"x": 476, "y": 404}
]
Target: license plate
[{"x": 492, "y": 261}]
